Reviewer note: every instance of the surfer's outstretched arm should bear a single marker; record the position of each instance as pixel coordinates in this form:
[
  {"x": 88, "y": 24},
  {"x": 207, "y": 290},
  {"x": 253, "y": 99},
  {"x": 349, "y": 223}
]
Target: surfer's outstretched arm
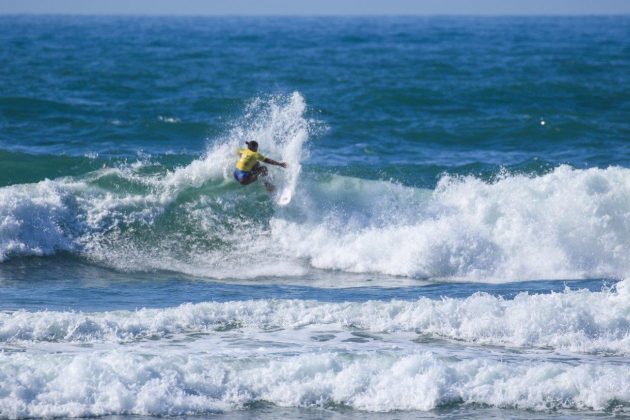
[{"x": 273, "y": 162}]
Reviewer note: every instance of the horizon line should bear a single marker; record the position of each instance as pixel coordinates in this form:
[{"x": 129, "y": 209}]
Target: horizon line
[{"x": 367, "y": 15}]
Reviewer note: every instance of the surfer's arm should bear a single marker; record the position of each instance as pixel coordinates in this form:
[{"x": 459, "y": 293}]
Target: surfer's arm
[{"x": 273, "y": 162}]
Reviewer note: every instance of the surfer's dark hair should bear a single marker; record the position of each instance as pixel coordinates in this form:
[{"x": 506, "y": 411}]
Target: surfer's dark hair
[{"x": 252, "y": 144}]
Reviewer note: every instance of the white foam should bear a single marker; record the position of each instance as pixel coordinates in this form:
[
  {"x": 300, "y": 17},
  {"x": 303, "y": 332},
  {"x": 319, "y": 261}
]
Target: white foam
[
  {"x": 573, "y": 321},
  {"x": 33, "y": 219},
  {"x": 569, "y": 223},
  {"x": 172, "y": 383},
  {"x": 169, "y": 120}
]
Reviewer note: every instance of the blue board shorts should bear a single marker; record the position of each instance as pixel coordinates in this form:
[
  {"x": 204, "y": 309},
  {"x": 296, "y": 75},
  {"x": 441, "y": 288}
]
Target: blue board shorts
[{"x": 241, "y": 175}]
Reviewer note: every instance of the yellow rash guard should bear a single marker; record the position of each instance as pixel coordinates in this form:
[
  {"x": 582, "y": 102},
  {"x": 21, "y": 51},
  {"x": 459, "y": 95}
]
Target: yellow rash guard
[{"x": 248, "y": 159}]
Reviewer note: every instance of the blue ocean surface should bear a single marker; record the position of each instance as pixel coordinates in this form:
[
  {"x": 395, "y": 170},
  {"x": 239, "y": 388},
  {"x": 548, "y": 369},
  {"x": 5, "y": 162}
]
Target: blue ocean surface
[{"x": 457, "y": 244}]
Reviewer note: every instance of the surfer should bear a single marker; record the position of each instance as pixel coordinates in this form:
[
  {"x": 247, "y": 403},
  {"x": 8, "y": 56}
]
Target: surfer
[{"x": 248, "y": 167}]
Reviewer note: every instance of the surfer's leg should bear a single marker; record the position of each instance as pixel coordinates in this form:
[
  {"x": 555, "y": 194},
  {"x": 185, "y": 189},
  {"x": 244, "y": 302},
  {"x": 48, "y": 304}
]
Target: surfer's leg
[
  {"x": 253, "y": 177},
  {"x": 259, "y": 170},
  {"x": 269, "y": 186},
  {"x": 246, "y": 178}
]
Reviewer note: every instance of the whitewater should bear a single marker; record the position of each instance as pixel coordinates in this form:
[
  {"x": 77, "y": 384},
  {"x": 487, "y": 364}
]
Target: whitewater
[{"x": 208, "y": 357}]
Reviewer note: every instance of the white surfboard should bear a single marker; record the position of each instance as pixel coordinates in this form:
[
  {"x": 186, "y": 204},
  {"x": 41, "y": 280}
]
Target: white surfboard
[
  {"x": 285, "y": 196},
  {"x": 287, "y": 189}
]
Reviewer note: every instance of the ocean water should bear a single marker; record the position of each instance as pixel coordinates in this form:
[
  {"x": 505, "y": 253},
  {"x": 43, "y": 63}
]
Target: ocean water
[{"x": 457, "y": 246}]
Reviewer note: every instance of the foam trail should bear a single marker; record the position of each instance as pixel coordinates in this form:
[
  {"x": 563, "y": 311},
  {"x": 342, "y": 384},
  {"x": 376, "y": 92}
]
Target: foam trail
[{"x": 33, "y": 219}]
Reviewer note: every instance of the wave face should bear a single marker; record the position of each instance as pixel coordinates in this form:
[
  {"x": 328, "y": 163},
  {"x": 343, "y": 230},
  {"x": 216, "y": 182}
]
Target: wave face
[
  {"x": 557, "y": 351},
  {"x": 194, "y": 219}
]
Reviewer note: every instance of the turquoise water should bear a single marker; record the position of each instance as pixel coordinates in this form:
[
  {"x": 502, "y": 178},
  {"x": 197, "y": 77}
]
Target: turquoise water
[{"x": 456, "y": 246}]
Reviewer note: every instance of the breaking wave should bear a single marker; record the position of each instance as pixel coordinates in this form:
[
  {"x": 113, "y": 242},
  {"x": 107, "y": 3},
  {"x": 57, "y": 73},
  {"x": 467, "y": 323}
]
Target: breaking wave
[{"x": 567, "y": 223}]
